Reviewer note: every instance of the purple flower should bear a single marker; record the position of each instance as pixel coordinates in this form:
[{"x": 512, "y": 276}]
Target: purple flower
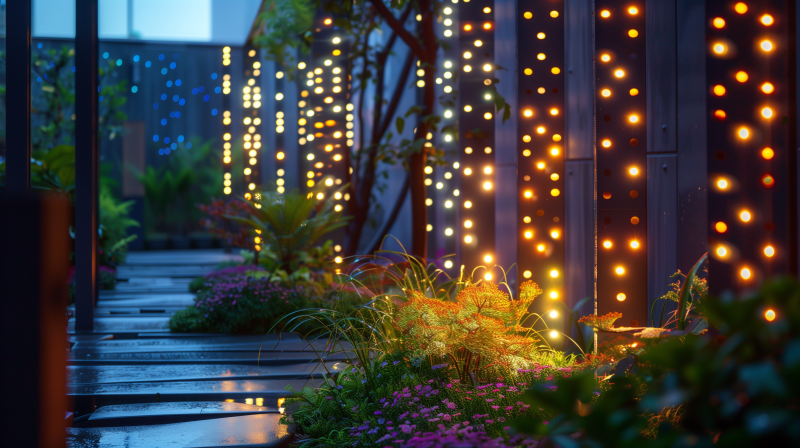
[{"x": 377, "y": 412}]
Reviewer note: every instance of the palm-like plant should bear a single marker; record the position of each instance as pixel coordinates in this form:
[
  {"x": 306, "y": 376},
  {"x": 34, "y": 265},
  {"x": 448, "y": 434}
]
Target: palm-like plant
[{"x": 291, "y": 223}]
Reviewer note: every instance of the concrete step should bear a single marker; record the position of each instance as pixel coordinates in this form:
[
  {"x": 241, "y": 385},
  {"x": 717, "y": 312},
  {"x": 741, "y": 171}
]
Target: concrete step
[
  {"x": 126, "y": 324},
  {"x": 126, "y": 272},
  {"x": 245, "y": 358},
  {"x": 180, "y": 257},
  {"x": 162, "y": 413},
  {"x": 262, "y": 430},
  {"x": 253, "y": 343}
]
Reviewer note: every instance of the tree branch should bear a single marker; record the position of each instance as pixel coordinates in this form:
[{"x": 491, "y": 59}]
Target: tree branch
[
  {"x": 398, "y": 28},
  {"x": 397, "y": 95}
]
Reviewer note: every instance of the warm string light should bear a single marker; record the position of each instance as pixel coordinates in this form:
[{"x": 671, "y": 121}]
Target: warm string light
[
  {"x": 226, "y": 122},
  {"x": 251, "y": 135}
]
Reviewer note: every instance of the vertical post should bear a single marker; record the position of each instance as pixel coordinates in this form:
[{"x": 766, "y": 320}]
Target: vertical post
[
  {"x": 18, "y": 75},
  {"x": 33, "y": 268},
  {"x": 86, "y": 164}
]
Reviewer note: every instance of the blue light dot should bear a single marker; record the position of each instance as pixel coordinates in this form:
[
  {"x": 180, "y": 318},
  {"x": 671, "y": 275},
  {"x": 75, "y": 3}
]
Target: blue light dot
[
  {"x": 172, "y": 115},
  {"x": 98, "y": 88},
  {"x": 172, "y": 65},
  {"x": 134, "y": 89},
  {"x": 201, "y": 89},
  {"x": 217, "y": 90},
  {"x": 105, "y": 55},
  {"x": 52, "y": 64},
  {"x": 177, "y": 82},
  {"x": 73, "y": 69},
  {"x": 101, "y": 98},
  {"x": 164, "y": 71},
  {"x": 182, "y": 101},
  {"x": 161, "y": 57},
  {"x": 206, "y": 98},
  {"x": 214, "y": 111},
  {"x": 119, "y": 62},
  {"x": 169, "y": 83},
  {"x": 148, "y": 64},
  {"x": 180, "y": 138},
  {"x": 194, "y": 91},
  {"x": 189, "y": 145},
  {"x": 136, "y": 58},
  {"x": 175, "y": 98},
  {"x": 163, "y": 122},
  {"x": 39, "y": 79},
  {"x": 174, "y": 146},
  {"x": 161, "y": 151},
  {"x": 213, "y": 75},
  {"x": 155, "y": 137},
  {"x": 178, "y": 114},
  {"x": 166, "y": 150},
  {"x": 166, "y": 140},
  {"x": 39, "y": 45},
  {"x": 163, "y": 96},
  {"x": 155, "y": 105}
]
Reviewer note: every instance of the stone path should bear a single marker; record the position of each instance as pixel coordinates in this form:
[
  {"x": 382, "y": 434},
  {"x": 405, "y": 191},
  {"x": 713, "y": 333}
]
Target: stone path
[{"x": 135, "y": 384}]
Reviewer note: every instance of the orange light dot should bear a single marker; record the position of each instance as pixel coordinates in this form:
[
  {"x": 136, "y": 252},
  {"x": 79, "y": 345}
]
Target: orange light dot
[
  {"x": 769, "y": 251},
  {"x": 606, "y": 143},
  {"x": 633, "y": 10},
  {"x": 719, "y": 22},
  {"x": 621, "y": 297},
  {"x": 605, "y": 58},
  {"x": 745, "y": 273},
  {"x": 634, "y": 92},
  {"x": 721, "y": 251},
  {"x": 744, "y": 133},
  {"x": 468, "y": 27},
  {"x": 766, "y": 112},
  {"x": 634, "y": 244},
  {"x": 719, "y": 90},
  {"x": 619, "y": 270},
  {"x": 633, "y": 33},
  {"x": 768, "y": 181},
  {"x": 487, "y": 26},
  {"x": 607, "y": 244},
  {"x": 767, "y": 88},
  {"x": 767, "y": 20},
  {"x": 767, "y": 153},
  {"x": 745, "y": 216},
  {"x": 540, "y": 248},
  {"x": 528, "y": 194},
  {"x": 740, "y": 7},
  {"x": 770, "y": 315},
  {"x": 528, "y": 234},
  {"x": 719, "y": 48},
  {"x": 721, "y": 227},
  {"x": 766, "y": 45},
  {"x": 528, "y": 113},
  {"x": 722, "y": 184},
  {"x": 605, "y": 14},
  {"x": 741, "y": 76},
  {"x": 720, "y": 115},
  {"x": 606, "y": 93},
  {"x": 619, "y": 73},
  {"x": 553, "y": 111}
]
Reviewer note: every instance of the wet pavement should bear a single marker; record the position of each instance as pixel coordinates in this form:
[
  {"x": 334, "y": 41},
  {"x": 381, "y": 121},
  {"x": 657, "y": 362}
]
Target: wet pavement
[{"x": 135, "y": 384}]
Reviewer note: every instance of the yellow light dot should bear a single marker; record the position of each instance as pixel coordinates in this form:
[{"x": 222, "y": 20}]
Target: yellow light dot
[
  {"x": 554, "y": 151},
  {"x": 528, "y": 113},
  {"x": 338, "y": 259},
  {"x": 540, "y": 248},
  {"x": 556, "y": 138},
  {"x": 468, "y": 204},
  {"x": 766, "y": 112},
  {"x": 540, "y": 165},
  {"x": 553, "y": 295},
  {"x": 554, "y": 334},
  {"x": 487, "y": 185},
  {"x": 720, "y": 48},
  {"x": 468, "y": 223},
  {"x": 619, "y": 270},
  {"x": 770, "y": 315},
  {"x": 527, "y": 274},
  {"x": 767, "y": 153},
  {"x": 721, "y": 227},
  {"x": 487, "y": 115},
  {"x": 540, "y": 36},
  {"x": 487, "y": 170},
  {"x": 745, "y": 216},
  {"x": 528, "y": 71},
  {"x": 540, "y": 130},
  {"x": 621, "y": 297},
  {"x": 605, "y": 14},
  {"x": 740, "y": 7},
  {"x": 467, "y": 239},
  {"x": 633, "y": 10},
  {"x": 619, "y": 73},
  {"x": 554, "y": 273},
  {"x": 605, "y": 58},
  {"x": 634, "y": 171},
  {"x": 634, "y": 92},
  {"x": 766, "y": 45},
  {"x": 528, "y": 234},
  {"x": 606, "y": 143},
  {"x": 553, "y": 314},
  {"x": 554, "y": 14},
  {"x": 527, "y": 15},
  {"x": 633, "y": 33},
  {"x": 722, "y": 184},
  {"x": 554, "y": 192},
  {"x": 634, "y": 244},
  {"x": 487, "y": 277},
  {"x": 487, "y": 67},
  {"x": 767, "y": 88},
  {"x": 606, "y": 93},
  {"x": 744, "y": 133},
  {"x": 722, "y": 251},
  {"x": 554, "y": 176},
  {"x": 607, "y": 244},
  {"x": 633, "y": 119},
  {"x": 769, "y": 251},
  {"x": 526, "y": 152},
  {"x": 487, "y": 259},
  {"x": 555, "y": 70},
  {"x": 719, "y": 90},
  {"x": 554, "y": 234},
  {"x": 719, "y": 22},
  {"x": 745, "y": 273},
  {"x": 528, "y": 194},
  {"x": 541, "y": 56},
  {"x": 554, "y": 111},
  {"x": 742, "y": 76}
]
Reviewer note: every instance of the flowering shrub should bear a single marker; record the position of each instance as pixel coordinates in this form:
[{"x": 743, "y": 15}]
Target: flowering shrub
[
  {"x": 244, "y": 300},
  {"x": 480, "y": 328},
  {"x": 603, "y": 322},
  {"x": 399, "y": 405}
]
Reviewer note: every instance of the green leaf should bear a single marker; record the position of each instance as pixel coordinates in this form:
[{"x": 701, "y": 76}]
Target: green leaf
[
  {"x": 400, "y": 123},
  {"x": 686, "y": 291}
]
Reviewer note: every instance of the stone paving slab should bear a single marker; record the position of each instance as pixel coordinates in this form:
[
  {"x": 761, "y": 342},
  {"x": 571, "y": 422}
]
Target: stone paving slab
[
  {"x": 262, "y": 430},
  {"x": 185, "y": 257},
  {"x": 139, "y": 414},
  {"x": 126, "y": 324},
  {"x": 183, "y": 299},
  {"x": 245, "y": 358},
  {"x": 213, "y": 344},
  {"x": 147, "y": 311},
  {"x": 169, "y": 373},
  {"x": 129, "y": 272}
]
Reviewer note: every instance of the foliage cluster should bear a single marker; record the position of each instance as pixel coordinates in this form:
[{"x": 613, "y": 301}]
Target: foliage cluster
[{"x": 735, "y": 385}]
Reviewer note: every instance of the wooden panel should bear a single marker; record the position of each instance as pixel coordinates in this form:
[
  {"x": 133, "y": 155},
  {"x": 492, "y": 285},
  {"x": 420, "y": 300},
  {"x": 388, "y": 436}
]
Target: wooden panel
[
  {"x": 662, "y": 230},
  {"x": 579, "y": 256},
  {"x": 661, "y": 76},
  {"x": 506, "y": 203},
  {"x": 691, "y": 69},
  {"x": 133, "y": 151},
  {"x": 579, "y": 80}
]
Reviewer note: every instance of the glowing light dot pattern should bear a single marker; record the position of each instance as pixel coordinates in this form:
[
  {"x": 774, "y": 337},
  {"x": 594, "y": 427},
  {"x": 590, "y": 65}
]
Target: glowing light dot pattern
[
  {"x": 540, "y": 178},
  {"x": 226, "y": 122},
  {"x": 251, "y": 125},
  {"x": 621, "y": 180},
  {"x": 477, "y": 111},
  {"x": 749, "y": 153}
]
